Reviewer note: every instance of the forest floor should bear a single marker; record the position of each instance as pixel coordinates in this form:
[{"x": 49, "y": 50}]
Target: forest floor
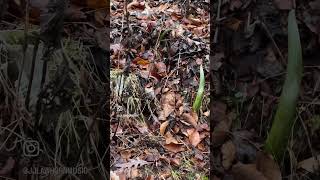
[
  {"x": 53, "y": 89},
  {"x": 248, "y": 69},
  {"x": 159, "y": 47}
]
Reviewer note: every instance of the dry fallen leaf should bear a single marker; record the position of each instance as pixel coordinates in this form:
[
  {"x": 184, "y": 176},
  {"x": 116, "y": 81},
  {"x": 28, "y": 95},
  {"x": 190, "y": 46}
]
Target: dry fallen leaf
[
  {"x": 174, "y": 147},
  {"x": 195, "y": 21},
  {"x": 268, "y": 166},
  {"x": 163, "y": 127},
  {"x": 175, "y": 161},
  {"x": 228, "y": 151},
  {"x": 191, "y": 118},
  {"x": 168, "y": 105},
  {"x": 194, "y": 138},
  {"x": 310, "y": 164},
  {"x": 170, "y": 139},
  {"x": 140, "y": 61},
  {"x": 136, "y": 5},
  {"x": 126, "y": 154}
]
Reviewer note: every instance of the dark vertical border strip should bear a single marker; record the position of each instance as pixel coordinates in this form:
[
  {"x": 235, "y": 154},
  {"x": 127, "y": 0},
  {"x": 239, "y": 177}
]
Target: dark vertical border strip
[
  {"x": 107, "y": 107},
  {"x": 212, "y": 15}
]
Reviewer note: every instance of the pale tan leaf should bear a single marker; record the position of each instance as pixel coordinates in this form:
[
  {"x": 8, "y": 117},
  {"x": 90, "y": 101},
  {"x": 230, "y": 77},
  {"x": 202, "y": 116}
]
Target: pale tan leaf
[
  {"x": 191, "y": 118},
  {"x": 170, "y": 139},
  {"x": 174, "y": 147},
  {"x": 194, "y": 138},
  {"x": 163, "y": 127}
]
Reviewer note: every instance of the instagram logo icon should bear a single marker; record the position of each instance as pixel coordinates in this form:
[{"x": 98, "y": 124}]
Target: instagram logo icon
[{"x": 31, "y": 148}]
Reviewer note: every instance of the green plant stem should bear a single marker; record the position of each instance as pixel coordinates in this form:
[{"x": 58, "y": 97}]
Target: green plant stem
[
  {"x": 277, "y": 140},
  {"x": 197, "y": 103}
]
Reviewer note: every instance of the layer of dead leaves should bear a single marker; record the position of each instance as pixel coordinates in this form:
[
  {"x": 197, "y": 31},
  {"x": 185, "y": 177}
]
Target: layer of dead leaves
[
  {"x": 247, "y": 66},
  {"x": 166, "y": 49}
]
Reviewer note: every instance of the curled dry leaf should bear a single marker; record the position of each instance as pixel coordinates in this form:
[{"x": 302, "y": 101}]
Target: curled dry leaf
[
  {"x": 228, "y": 151},
  {"x": 170, "y": 139},
  {"x": 174, "y": 147},
  {"x": 136, "y": 5},
  {"x": 163, "y": 127},
  {"x": 194, "y": 137},
  {"x": 191, "y": 118},
  {"x": 195, "y": 21},
  {"x": 202, "y": 147}
]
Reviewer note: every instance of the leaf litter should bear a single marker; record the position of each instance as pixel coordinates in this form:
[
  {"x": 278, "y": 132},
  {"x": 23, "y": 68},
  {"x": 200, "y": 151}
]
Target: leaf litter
[
  {"x": 162, "y": 47},
  {"x": 59, "y": 93},
  {"x": 247, "y": 69}
]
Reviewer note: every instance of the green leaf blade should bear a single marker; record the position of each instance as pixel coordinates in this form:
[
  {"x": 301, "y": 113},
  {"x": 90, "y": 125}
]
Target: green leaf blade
[{"x": 285, "y": 116}]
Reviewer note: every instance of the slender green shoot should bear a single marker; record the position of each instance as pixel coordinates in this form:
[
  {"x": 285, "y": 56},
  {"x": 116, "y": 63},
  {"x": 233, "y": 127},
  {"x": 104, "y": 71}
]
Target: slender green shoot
[
  {"x": 197, "y": 103},
  {"x": 277, "y": 140}
]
